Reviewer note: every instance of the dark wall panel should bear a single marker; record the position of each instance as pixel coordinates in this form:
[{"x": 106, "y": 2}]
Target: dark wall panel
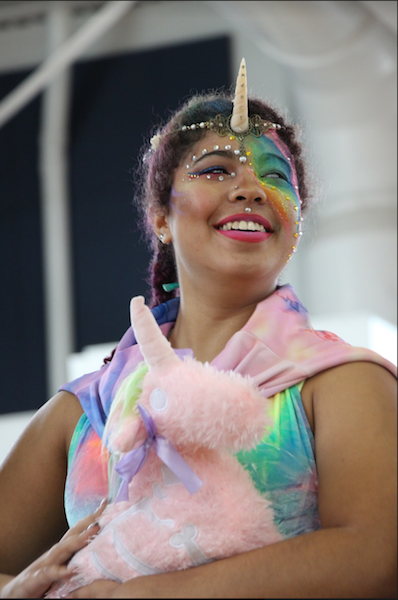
[
  {"x": 22, "y": 370},
  {"x": 114, "y": 103}
]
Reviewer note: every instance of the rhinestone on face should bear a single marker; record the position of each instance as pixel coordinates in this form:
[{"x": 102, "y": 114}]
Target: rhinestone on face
[
  {"x": 242, "y": 159},
  {"x": 228, "y": 147},
  {"x": 187, "y": 166},
  {"x": 236, "y": 152},
  {"x": 194, "y": 158},
  {"x": 204, "y": 151},
  {"x": 216, "y": 148},
  {"x": 208, "y": 176},
  {"x": 221, "y": 178},
  {"x": 233, "y": 174}
]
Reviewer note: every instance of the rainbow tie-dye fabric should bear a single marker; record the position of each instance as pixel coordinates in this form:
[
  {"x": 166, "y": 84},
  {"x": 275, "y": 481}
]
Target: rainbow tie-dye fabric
[{"x": 278, "y": 349}]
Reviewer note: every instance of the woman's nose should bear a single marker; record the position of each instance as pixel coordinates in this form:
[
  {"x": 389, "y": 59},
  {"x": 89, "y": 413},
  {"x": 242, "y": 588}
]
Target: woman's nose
[{"x": 247, "y": 189}]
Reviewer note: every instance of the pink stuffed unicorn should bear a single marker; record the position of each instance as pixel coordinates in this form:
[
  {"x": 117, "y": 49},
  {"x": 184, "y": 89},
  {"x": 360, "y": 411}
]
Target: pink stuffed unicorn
[{"x": 184, "y": 498}]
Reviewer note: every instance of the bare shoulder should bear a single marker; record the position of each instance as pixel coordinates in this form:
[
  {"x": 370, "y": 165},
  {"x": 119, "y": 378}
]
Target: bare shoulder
[
  {"x": 351, "y": 384},
  {"x": 355, "y": 426},
  {"x": 354, "y": 375},
  {"x": 32, "y": 480}
]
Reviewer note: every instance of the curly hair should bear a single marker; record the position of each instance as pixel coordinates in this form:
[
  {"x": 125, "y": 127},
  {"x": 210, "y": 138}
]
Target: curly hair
[{"x": 155, "y": 172}]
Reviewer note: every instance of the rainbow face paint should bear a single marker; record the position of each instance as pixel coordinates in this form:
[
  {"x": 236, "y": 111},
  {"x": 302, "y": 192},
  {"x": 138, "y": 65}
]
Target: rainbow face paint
[{"x": 273, "y": 169}]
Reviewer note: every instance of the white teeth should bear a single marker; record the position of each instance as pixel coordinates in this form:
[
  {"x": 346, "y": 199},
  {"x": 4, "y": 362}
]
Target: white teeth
[{"x": 242, "y": 226}]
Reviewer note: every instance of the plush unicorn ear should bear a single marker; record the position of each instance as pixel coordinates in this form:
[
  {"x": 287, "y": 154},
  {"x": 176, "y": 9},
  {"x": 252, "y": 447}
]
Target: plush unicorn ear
[{"x": 155, "y": 348}]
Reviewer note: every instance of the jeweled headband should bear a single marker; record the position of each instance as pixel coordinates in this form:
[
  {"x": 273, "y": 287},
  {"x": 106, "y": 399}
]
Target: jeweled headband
[{"x": 238, "y": 125}]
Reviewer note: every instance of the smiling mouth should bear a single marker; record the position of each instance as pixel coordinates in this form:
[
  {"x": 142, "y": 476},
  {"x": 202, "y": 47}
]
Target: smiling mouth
[
  {"x": 243, "y": 226},
  {"x": 252, "y": 223}
]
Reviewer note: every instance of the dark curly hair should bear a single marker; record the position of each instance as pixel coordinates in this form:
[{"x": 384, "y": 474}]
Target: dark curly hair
[{"x": 155, "y": 172}]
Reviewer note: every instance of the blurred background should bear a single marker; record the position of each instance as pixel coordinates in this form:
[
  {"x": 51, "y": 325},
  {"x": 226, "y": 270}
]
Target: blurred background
[{"x": 82, "y": 85}]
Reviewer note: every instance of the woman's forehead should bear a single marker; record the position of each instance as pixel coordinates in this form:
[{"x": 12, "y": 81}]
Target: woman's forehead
[{"x": 267, "y": 143}]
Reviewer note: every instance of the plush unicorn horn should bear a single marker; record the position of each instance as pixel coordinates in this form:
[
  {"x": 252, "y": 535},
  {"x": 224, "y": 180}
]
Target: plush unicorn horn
[
  {"x": 154, "y": 346},
  {"x": 240, "y": 116}
]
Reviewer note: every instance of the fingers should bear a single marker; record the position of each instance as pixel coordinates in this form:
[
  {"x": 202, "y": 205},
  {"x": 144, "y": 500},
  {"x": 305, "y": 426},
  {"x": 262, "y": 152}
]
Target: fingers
[
  {"x": 34, "y": 583},
  {"x": 51, "y": 566},
  {"x": 43, "y": 578},
  {"x": 67, "y": 547},
  {"x": 82, "y": 525}
]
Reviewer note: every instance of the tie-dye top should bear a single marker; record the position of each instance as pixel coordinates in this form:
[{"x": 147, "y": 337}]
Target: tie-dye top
[
  {"x": 282, "y": 467},
  {"x": 279, "y": 350}
]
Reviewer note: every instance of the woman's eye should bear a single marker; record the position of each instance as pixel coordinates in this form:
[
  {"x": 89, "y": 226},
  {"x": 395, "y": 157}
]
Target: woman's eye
[
  {"x": 275, "y": 175},
  {"x": 216, "y": 170}
]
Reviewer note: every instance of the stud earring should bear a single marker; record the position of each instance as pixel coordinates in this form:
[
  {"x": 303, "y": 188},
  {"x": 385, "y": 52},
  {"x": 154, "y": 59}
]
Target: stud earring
[
  {"x": 236, "y": 187},
  {"x": 161, "y": 237}
]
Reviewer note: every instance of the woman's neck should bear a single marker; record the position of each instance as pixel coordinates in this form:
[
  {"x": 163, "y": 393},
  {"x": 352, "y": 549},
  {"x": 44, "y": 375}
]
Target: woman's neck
[{"x": 206, "y": 326}]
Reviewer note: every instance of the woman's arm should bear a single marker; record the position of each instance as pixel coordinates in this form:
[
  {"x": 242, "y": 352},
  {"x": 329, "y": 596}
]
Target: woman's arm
[
  {"x": 32, "y": 479},
  {"x": 354, "y": 555}
]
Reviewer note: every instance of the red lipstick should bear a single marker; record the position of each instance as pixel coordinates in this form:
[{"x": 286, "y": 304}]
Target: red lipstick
[
  {"x": 245, "y": 236},
  {"x": 247, "y": 217}
]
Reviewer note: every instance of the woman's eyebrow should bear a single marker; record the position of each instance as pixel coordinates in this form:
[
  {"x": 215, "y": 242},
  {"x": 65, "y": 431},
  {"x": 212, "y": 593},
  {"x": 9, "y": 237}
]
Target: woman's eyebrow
[{"x": 224, "y": 153}]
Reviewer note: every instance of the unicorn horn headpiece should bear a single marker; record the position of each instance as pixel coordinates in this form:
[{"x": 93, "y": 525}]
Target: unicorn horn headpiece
[
  {"x": 240, "y": 113},
  {"x": 238, "y": 124}
]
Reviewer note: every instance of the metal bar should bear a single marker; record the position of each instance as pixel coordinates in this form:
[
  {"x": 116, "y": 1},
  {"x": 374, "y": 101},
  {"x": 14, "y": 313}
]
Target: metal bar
[
  {"x": 57, "y": 268},
  {"x": 96, "y": 26}
]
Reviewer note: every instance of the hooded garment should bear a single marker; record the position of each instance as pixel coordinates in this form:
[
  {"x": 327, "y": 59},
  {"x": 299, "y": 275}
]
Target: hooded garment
[{"x": 279, "y": 350}]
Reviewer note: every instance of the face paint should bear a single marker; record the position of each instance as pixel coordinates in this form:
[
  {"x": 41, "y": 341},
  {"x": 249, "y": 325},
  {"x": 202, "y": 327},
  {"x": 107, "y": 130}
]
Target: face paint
[{"x": 273, "y": 168}]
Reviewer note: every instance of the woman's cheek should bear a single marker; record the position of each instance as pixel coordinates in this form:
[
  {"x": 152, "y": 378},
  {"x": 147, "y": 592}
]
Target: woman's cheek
[{"x": 285, "y": 205}]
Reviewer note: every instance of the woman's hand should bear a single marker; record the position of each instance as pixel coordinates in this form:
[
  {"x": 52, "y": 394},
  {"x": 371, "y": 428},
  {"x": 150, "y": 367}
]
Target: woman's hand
[{"x": 35, "y": 580}]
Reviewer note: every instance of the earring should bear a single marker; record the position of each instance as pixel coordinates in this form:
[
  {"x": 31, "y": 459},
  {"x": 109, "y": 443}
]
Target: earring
[{"x": 161, "y": 237}]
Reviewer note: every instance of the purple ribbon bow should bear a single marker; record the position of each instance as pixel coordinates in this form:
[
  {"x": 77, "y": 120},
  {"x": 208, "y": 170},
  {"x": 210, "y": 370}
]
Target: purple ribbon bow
[{"x": 133, "y": 461}]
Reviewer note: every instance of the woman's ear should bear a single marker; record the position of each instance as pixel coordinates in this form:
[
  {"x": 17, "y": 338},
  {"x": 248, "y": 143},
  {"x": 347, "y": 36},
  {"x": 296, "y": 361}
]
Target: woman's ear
[{"x": 160, "y": 224}]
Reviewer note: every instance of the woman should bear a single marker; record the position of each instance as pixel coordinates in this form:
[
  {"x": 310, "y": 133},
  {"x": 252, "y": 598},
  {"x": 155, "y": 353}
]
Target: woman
[{"x": 225, "y": 197}]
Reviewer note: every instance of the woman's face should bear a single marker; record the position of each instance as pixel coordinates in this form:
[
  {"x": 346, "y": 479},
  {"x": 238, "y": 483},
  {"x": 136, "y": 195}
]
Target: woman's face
[{"x": 232, "y": 215}]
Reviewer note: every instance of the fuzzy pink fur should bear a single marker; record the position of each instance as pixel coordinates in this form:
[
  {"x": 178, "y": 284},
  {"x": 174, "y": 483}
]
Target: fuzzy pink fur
[{"x": 208, "y": 415}]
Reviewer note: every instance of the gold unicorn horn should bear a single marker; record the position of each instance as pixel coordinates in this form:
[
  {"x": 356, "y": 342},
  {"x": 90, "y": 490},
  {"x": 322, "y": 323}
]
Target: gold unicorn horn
[{"x": 240, "y": 116}]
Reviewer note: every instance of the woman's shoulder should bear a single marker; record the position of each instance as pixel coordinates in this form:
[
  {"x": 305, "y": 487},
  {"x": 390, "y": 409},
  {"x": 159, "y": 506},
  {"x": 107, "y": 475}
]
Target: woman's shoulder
[
  {"x": 353, "y": 374},
  {"x": 56, "y": 419},
  {"x": 359, "y": 379}
]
